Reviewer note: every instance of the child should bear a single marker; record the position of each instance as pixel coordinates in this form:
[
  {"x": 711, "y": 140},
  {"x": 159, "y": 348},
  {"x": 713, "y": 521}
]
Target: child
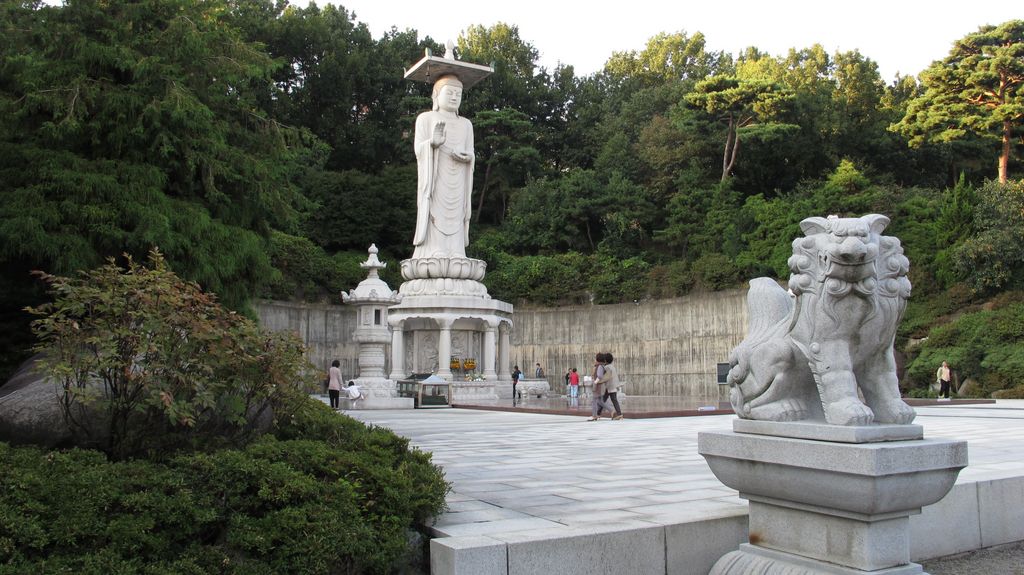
[{"x": 354, "y": 393}]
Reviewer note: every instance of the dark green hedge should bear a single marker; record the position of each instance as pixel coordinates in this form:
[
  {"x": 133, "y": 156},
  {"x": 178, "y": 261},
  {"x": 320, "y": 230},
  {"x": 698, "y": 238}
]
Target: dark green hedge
[{"x": 325, "y": 495}]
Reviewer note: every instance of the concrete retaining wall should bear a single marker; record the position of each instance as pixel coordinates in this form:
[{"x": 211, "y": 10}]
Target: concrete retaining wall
[
  {"x": 325, "y": 329},
  {"x": 666, "y": 347}
]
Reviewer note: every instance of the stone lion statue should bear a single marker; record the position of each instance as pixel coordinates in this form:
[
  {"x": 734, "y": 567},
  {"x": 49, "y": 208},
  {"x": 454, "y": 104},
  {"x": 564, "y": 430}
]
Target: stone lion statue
[{"x": 810, "y": 351}]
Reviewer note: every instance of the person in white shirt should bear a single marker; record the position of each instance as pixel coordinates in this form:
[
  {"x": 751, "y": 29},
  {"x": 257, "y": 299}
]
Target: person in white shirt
[
  {"x": 354, "y": 393},
  {"x": 944, "y": 376}
]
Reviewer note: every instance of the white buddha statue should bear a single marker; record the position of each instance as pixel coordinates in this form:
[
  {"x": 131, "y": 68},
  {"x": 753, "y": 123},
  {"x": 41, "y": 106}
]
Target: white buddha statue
[{"x": 445, "y": 160}]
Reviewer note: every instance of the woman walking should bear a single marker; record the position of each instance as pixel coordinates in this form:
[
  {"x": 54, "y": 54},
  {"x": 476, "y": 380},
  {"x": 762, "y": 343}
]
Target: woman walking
[
  {"x": 610, "y": 379},
  {"x": 598, "y": 401}
]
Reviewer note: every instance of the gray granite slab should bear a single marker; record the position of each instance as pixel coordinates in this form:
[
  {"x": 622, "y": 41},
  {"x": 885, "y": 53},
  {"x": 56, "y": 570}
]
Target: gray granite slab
[{"x": 821, "y": 431}]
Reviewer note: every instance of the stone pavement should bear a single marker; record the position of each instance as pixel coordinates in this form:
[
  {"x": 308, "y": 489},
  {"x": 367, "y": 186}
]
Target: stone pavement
[
  {"x": 999, "y": 560},
  {"x": 517, "y": 475}
]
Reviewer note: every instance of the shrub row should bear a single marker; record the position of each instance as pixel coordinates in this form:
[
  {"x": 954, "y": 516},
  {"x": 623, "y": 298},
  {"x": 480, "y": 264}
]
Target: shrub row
[{"x": 324, "y": 494}]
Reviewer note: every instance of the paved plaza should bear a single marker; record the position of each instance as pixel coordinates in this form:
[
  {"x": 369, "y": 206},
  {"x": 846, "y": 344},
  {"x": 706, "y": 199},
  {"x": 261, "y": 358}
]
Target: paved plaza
[{"x": 536, "y": 475}]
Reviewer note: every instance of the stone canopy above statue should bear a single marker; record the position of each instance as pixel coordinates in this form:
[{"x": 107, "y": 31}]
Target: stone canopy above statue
[{"x": 431, "y": 67}]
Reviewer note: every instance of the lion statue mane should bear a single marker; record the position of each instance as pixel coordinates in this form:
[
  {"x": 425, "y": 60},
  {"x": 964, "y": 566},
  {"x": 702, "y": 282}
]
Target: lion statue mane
[{"x": 824, "y": 350}]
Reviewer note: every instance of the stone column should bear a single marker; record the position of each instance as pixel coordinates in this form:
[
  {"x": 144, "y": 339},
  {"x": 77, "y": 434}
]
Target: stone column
[
  {"x": 488, "y": 357},
  {"x": 444, "y": 349},
  {"x": 397, "y": 351},
  {"x": 504, "y": 346}
]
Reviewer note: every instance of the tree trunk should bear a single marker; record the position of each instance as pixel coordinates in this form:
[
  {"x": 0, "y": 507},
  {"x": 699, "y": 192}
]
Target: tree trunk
[
  {"x": 1004, "y": 157},
  {"x": 483, "y": 191},
  {"x": 732, "y": 142}
]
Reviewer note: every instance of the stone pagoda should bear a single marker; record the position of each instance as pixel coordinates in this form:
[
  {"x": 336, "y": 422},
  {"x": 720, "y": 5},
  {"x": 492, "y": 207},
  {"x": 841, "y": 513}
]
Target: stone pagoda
[{"x": 371, "y": 298}]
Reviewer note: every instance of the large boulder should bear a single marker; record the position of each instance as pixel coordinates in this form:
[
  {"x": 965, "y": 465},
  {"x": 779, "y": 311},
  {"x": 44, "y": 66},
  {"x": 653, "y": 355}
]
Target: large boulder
[{"x": 30, "y": 411}]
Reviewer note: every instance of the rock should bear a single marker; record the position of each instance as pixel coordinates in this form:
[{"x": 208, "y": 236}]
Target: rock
[{"x": 30, "y": 410}]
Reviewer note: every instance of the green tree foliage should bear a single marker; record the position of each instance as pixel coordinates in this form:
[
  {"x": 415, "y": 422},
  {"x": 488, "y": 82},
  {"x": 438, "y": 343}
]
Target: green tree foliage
[
  {"x": 582, "y": 210},
  {"x": 747, "y": 108},
  {"x": 147, "y": 362},
  {"x": 308, "y": 273},
  {"x": 128, "y": 125},
  {"x": 668, "y": 58},
  {"x": 355, "y": 209},
  {"x": 977, "y": 90},
  {"x": 568, "y": 278},
  {"x": 335, "y": 80},
  {"x": 506, "y": 157},
  {"x": 701, "y": 220},
  {"x": 993, "y": 258}
]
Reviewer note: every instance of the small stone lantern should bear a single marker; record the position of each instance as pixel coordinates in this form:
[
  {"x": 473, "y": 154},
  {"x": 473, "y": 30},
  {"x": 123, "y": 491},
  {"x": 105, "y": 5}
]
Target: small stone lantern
[{"x": 372, "y": 297}]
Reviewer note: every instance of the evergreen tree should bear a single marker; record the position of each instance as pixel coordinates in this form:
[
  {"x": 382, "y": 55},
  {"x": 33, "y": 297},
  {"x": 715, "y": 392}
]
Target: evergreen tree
[{"x": 977, "y": 90}]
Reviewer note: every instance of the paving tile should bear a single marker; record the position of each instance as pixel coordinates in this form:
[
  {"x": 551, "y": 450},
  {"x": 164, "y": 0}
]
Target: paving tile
[
  {"x": 493, "y": 527},
  {"x": 639, "y": 472}
]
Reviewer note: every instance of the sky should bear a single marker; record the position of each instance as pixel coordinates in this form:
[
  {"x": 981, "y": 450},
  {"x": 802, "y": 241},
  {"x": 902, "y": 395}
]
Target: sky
[{"x": 901, "y": 36}]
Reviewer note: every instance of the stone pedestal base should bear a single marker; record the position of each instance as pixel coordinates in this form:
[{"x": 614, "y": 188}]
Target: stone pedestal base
[
  {"x": 469, "y": 391},
  {"x": 822, "y": 506},
  {"x": 527, "y": 389},
  {"x": 762, "y": 561},
  {"x": 381, "y": 394},
  {"x": 386, "y": 403}
]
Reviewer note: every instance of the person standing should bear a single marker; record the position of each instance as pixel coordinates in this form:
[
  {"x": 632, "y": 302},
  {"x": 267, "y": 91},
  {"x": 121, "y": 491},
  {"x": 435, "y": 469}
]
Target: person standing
[
  {"x": 334, "y": 383},
  {"x": 944, "y": 376},
  {"x": 574, "y": 384},
  {"x": 516, "y": 375},
  {"x": 610, "y": 379}
]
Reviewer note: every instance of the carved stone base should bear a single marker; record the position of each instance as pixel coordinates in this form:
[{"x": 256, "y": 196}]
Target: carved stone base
[
  {"x": 818, "y": 506},
  {"x": 751, "y": 559},
  {"x": 443, "y": 286},
  {"x": 447, "y": 268}
]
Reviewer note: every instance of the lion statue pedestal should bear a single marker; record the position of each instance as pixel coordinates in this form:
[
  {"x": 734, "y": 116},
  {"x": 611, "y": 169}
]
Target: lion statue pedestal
[{"x": 824, "y": 449}]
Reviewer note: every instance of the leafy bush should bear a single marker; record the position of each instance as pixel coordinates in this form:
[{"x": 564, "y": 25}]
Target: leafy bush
[
  {"x": 148, "y": 362},
  {"x": 923, "y": 393},
  {"x": 568, "y": 278},
  {"x": 1013, "y": 393},
  {"x": 408, "y": 469},
  {"x": 670, "y": 280},
  {"x": 307, "y": 273},
  {"x": 715, "y": 271},
  {"x": 986, "y": 346},
  {"x": 993, "y": 259},
  {"x": 339, "y": 503}
]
